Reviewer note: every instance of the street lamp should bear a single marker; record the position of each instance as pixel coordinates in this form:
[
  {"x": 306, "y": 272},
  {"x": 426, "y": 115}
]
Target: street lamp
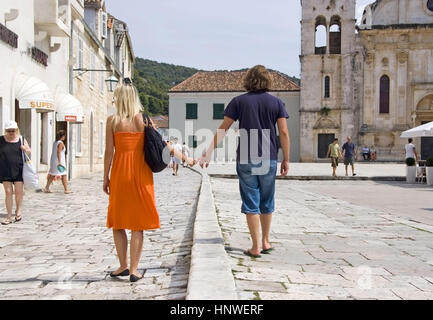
[{"x": 112, "y": 82}]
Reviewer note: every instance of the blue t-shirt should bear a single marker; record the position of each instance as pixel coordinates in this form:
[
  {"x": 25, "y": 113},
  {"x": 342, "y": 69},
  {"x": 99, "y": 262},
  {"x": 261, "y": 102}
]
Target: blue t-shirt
[
  {"x": 260, "y": 111},
  {"x": 349, "y": 149}
]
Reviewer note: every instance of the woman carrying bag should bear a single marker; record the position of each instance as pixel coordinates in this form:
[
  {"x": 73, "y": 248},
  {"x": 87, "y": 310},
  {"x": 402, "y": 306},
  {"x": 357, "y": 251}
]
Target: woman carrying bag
[
  {"x": 11, "y": 169},
  {"x": 128, "y": 180}
]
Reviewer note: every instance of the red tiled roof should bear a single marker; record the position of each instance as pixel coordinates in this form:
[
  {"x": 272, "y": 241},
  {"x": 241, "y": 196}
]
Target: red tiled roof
[
  {"x": 160, "y": 121},
  {"x": 229, "y": 81}
]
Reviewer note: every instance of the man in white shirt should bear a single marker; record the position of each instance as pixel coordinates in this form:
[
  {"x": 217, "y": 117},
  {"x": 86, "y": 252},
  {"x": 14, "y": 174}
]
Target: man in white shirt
[
  {"x": 178, "y": 147},
  {"x": 185, "y": 152},
  {"x": 410, "y": 150}
]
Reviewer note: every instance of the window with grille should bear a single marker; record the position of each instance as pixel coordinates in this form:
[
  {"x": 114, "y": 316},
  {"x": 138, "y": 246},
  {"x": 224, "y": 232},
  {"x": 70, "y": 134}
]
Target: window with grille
[
  {"x": 218, "y": 111},
  {"x": 384, "y": 95},
  {"x": 191, "y": 111},
  {"x": 327, "y": 87}
]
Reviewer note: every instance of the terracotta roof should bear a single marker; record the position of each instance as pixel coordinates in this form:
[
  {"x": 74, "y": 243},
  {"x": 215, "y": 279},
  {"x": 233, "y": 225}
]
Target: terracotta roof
[
  {"x": 229, "y": 81},
  {"x": 160, "y": 121}
]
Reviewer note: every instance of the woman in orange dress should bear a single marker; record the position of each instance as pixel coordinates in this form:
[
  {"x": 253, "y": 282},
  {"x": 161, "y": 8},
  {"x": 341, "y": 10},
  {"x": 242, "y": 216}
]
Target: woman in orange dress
[{"x": 128, "y": 180}]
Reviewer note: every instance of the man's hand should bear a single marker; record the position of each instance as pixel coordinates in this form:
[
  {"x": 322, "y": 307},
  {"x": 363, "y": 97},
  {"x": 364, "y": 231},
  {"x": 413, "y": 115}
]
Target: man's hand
[
  {"x": 204, "y": 160},
  {"x": 285, "y": 167}
]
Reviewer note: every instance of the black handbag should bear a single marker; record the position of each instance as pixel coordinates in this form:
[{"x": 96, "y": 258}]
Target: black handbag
[{"x": 156, "y": 153}]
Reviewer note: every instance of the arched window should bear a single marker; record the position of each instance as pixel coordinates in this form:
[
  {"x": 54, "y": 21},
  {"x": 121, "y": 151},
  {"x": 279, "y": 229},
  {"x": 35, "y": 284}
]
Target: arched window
[
  {"x": 320, "y": 36},
  {"x": 384, "y": 94},
  {"x": 335, "y": 35},
  {"x": 327, "y": 87}
]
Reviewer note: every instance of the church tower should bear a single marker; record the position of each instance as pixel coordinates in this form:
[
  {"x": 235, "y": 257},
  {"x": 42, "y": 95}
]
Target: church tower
[{"x": 330, "y": 65}]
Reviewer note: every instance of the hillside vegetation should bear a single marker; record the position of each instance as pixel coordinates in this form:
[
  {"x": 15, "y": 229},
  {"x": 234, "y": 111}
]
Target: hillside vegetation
[{"x": 154, "y": 79}]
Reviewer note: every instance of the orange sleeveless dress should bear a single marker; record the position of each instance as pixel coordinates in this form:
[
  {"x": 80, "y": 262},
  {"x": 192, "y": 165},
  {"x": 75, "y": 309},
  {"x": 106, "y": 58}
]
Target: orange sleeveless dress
[{"x": 132, "y": 198}]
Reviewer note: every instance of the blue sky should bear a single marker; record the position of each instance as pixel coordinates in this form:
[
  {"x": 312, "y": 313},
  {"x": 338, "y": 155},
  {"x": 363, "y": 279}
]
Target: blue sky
[{"x": 216, "y": 35}]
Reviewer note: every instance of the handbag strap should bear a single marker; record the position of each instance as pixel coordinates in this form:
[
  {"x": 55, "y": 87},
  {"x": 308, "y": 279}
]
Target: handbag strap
[
  {"x": 146, "y": 118},
  {"x": 25, "y": 156}
]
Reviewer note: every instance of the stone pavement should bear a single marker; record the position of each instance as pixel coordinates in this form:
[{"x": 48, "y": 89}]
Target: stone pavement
[
  {"x": 363, "y": 169},
  {"x": 329, "y": 248},
  {"x": 62, "y": 249}
]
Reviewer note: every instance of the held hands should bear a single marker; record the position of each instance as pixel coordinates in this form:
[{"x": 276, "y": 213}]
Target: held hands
[
  {"x": 204, "y": 160},
  {"x": 191, "y": 162}
]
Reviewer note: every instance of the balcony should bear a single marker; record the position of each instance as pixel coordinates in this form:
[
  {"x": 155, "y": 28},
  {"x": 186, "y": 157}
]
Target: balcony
[{"x": 53, "y": 17}]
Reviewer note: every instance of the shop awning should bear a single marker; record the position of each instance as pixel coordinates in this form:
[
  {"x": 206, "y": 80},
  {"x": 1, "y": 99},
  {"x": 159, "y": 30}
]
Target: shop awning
[
  {"x": 33, "y": 93},
  {"x": 69, "y": 109}
]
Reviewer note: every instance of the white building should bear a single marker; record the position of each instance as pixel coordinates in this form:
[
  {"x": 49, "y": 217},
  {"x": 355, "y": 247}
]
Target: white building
[
  {"x": 34, "y": 55},
  {"x": 47, "y": 49},
  {"x": 197, "y": 104}
]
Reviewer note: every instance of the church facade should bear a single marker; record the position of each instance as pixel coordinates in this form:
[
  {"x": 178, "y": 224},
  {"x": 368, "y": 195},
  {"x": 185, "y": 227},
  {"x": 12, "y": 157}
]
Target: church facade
[{"x": 371, "y": 81}]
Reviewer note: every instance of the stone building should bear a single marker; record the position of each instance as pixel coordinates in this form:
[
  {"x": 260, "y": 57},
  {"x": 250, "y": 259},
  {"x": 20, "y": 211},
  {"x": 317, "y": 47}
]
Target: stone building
[
  {"x": 370, "y": 81},
  {"x": 196, "y": 108},
  {"x": 102, "y": 43}
]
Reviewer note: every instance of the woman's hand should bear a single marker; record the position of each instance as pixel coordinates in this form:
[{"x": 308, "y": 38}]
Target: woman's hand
[
  {"x": 191, "y": 162},
  {"x": 106, "y": 186}
]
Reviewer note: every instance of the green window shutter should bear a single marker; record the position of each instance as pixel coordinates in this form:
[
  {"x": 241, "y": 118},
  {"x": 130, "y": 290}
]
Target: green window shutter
[
  {"x": 218, "y": 111},
  {"x": 191, "y": 111},
  {"x": 192, "y": 142}
]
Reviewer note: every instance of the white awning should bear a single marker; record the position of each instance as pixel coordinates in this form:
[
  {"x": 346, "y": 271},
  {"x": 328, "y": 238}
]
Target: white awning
[
  {"x": 425, "y": 130},
  {"x": 33, "y": 93},
  {"x": 69, "y": 109}
]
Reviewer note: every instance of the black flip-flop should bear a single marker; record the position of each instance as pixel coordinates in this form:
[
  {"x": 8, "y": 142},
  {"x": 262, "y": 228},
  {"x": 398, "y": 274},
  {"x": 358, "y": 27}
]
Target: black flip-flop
[
  {"x": 249, "y": 254},
  {"x": 18, "y": 219},
  {"x": 6, "y": 222},
  {"x": 267, "y": 251}
]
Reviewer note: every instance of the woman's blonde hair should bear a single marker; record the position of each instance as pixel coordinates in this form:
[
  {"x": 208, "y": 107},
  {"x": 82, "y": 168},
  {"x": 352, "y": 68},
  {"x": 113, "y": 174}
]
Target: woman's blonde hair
[
  {"x": 258, "y": 78},
  {"x": 127, "y": 102}
]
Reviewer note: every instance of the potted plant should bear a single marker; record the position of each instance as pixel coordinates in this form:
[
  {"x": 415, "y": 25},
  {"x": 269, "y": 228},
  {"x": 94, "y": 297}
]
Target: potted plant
[
  {"x": 410, "y": 170},
  {"x": 429, "y": 171}
]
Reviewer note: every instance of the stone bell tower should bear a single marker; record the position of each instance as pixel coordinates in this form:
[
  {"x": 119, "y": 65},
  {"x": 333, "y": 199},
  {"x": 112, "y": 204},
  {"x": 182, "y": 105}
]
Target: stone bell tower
[{"x": 330, "y": 65}]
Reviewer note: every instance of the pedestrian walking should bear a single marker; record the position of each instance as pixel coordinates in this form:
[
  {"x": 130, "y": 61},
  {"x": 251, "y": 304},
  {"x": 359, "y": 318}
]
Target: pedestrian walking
[
  {"x": 176, "y": 161},
  {"x": 349, "y": 155},
  {"x": 12, "y": 146},
  {"x": 58, "y": 163},
  {"x": 335, "y": 153},
  {"x": 257, "y": 112},
  {"x": 128, "y": 180},
  {"x": 410, "y": 150},
  {"x": 185, "y": 152}
]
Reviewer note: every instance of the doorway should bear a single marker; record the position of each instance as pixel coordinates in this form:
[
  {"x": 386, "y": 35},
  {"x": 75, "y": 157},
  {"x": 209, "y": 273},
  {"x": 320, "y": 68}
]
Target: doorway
[
  {"x": 426, "y": 145},
  {"x": 323, "y": 144}
]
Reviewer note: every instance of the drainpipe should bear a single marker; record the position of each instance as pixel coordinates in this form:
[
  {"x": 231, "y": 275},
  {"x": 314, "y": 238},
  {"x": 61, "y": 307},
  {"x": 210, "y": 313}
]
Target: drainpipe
[{"x": 69, "y": 127}]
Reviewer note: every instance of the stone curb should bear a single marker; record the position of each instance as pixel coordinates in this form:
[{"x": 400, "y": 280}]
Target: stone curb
[
  {"x": 319, "y": 178},
  {"x": 210, "y": 275}
]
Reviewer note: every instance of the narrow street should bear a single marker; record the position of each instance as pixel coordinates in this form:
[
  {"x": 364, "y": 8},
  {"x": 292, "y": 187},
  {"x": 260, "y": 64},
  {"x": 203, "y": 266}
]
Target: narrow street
[{"x": 62, "y": 249}]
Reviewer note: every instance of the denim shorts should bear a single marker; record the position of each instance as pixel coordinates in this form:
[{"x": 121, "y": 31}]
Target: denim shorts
[{"x": 257, "y": 186}]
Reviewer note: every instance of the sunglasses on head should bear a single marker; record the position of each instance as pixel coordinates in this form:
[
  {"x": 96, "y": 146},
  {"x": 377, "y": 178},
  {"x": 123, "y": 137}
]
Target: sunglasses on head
[{"x": 127, "y": 81}]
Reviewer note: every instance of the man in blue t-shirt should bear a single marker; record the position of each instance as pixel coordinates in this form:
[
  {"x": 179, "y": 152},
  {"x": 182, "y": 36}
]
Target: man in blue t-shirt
[
  {"x": 349, "y": 155},
  {"x": 258, "y": 113}
]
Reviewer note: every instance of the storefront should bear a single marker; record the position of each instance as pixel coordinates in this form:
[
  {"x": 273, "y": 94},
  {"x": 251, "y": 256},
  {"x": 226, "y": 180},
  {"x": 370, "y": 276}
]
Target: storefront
[
  {"x": 34, "y": 113},
  {"x": 69, "y": 113}
]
